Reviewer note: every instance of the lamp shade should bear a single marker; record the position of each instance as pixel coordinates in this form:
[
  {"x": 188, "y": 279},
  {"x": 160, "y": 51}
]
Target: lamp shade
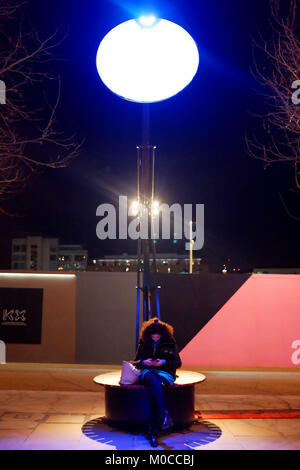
[{"x": 147, "y": 61}]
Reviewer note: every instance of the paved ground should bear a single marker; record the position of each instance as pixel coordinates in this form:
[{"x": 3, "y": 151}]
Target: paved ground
[{"x": 68, "y": 419}]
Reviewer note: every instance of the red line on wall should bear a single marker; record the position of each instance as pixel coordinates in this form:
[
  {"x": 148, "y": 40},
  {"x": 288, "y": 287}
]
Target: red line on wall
[{"x": 248, "y": 414}]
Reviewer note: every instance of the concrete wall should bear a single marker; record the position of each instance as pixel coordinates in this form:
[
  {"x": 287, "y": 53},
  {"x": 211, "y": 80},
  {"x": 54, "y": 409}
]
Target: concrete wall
[
  {"x": 220, "y": 321},
  {"x": 105, "y": 317},
  {"x": 58, "y": 317},
  {"x": 88, "y": 317}
]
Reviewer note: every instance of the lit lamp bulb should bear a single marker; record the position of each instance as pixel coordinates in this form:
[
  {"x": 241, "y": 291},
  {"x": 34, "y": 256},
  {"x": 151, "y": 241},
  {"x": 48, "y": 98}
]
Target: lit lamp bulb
[
  {"x": 155, "y": 208},
  {"x": 134, "y": 209},
  {"x": 147, "y": 59},
  {"x": 147, "y": 21}
]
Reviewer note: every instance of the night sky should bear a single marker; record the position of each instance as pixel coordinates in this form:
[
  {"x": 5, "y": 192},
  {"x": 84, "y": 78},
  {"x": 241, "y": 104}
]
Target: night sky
[{"x": 199, "y": 134}]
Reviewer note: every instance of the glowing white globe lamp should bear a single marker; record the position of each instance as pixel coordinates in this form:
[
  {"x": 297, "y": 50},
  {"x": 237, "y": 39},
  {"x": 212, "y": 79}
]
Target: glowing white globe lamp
[
  {"x": 147, "y": 60},
  {"x": 147, "y": 20}
]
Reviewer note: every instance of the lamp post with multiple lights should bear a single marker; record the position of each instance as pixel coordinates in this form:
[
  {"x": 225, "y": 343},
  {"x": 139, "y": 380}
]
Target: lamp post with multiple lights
[{"x": 147, "y": 60}]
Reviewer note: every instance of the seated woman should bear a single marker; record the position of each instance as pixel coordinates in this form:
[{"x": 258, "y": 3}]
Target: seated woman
[{"x": 158, "y": 358}]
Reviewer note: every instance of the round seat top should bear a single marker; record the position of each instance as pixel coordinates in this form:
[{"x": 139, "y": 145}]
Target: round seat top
[{"x": 184, "y": 377}]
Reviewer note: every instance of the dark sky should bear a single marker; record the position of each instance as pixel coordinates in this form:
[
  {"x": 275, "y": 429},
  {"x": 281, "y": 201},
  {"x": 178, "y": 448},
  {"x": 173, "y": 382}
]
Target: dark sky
[{"x": 200, "y": 135}]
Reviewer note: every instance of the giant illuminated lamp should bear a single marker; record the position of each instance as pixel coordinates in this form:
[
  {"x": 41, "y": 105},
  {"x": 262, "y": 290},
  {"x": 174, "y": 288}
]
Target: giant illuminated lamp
[{"x": 147, "y": 60}]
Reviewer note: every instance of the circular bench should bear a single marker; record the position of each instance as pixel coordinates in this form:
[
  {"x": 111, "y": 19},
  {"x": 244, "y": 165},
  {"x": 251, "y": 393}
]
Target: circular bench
[{"x": 129, "y": 404}]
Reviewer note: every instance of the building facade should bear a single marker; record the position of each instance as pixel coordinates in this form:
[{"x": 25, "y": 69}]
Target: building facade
[
  {"x": 36, "y": 253},
  {"x": 72, "y": 258},
  {"x": 166, "y": 262}
]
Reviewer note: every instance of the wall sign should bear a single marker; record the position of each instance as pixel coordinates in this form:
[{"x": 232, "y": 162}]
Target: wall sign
[{"x": 21, "y": 315}]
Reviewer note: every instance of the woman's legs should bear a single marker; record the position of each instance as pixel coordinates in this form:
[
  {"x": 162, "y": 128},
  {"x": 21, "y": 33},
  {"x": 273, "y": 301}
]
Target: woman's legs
[
  {"x": 157, "y": 404},
  {"x": 156, "y": 382}
]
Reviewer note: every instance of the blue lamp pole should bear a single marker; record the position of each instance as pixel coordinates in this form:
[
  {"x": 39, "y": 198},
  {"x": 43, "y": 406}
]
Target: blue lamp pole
[
  {"x": 145, "y": 171},
  {"x": 147, "y": 60}
]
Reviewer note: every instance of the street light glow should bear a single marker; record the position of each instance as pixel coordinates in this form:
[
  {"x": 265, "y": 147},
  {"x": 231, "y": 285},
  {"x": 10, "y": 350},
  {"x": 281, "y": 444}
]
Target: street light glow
[
  {"x": 155, "y": 208},
  {"x": 147, "y": 20},
  {"x": 134, "y": 208},
  {"x": 147, "y": 64}
]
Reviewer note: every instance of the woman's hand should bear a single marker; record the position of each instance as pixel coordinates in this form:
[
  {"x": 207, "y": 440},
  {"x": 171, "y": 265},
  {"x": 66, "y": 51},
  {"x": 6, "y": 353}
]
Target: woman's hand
[
  {"x": 157, "y": 363},
  {"x": 147, "y": 362}
]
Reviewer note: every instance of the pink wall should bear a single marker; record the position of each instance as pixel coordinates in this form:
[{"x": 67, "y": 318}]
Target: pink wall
[{"x": 259, "y": 326}]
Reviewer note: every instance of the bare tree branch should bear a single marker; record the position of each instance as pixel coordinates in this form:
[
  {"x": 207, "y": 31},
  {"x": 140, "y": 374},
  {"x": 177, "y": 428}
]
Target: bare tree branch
[
  {"x": 25, "y": 126},
  {"x": 276, "y": 69},
  {"x": 287, "y": 209}
]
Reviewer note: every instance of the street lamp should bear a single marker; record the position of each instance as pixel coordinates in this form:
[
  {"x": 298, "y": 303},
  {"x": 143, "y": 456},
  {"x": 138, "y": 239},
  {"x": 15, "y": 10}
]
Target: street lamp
[{"x": 147, "y": 60}]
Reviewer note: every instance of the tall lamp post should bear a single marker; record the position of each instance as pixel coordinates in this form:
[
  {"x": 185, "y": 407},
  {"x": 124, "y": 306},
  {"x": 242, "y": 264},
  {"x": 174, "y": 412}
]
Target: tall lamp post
[{"x": 147, "y": 60}]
